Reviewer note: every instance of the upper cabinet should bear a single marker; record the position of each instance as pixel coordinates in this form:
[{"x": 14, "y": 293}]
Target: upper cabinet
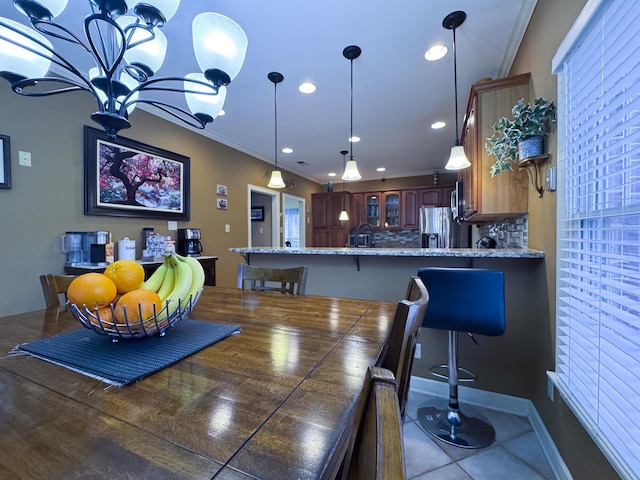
[
  {"x": 505, "y": 195},
  {"x": 392, "y": 209}
]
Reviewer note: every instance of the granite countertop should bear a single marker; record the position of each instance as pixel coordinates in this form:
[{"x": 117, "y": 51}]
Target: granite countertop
[{"x": 398, "y": 252}]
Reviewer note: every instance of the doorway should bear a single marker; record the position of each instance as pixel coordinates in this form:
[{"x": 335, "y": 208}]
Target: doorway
[
  {"x": 293, "y": 221},
  {"x": 264, "y": 232}
]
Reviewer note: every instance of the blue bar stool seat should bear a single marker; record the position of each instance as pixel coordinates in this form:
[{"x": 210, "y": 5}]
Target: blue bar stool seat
[{"x": 461, "y": 300}]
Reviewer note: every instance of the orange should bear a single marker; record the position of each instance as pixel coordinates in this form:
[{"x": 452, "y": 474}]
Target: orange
[
  {"x": 94, "y": 290},
  {"x": 126, "y": 274},
  {"x": 137, "y": 301}
]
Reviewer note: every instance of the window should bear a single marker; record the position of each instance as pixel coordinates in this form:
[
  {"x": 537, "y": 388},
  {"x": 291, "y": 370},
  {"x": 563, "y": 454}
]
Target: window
[{"x": 598, "y": 236}]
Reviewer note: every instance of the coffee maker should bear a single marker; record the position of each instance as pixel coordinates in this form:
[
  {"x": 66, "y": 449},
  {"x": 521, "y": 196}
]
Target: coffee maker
[
  {"x": 189, "y": 242},
  {"x": 85, "y": 248}
]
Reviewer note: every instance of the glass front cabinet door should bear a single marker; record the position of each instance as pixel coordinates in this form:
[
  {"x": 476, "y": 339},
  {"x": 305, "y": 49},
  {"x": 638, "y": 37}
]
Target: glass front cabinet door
[
  {"x": 372, "y": 202},
  {"x": 392, "y": 209}
]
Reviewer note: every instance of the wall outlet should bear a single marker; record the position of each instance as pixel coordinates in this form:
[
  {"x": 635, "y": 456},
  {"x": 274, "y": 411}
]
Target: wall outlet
[
  {"x": 171, "y": 225},
  {"x": 418, "y": 353},
  {"x": 550, "y": 388}
]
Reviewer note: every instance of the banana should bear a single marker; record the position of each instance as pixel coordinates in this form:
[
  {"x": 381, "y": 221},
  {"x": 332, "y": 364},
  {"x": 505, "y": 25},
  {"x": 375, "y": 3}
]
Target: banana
[
  {"x": 197, "y": 281},
  {"x": 154, "y": 282},
  {"x": 168, "y": 282},
  {"x": 182, "y": 284}
]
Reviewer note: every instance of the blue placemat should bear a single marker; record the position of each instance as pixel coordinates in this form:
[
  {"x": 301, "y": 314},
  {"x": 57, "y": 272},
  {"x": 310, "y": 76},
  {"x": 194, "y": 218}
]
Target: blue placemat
[{"x": 120, "y": 363}]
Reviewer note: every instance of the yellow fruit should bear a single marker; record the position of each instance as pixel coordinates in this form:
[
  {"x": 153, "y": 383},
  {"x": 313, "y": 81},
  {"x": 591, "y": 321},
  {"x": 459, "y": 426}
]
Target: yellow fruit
[
  {"x": 126, "y": 274},
  {"x": 95, "y": 290}
]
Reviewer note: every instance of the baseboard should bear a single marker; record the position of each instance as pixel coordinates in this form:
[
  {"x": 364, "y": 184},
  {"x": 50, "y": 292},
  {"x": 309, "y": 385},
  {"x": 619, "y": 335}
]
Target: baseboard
[{"x": 502, "y": 403}]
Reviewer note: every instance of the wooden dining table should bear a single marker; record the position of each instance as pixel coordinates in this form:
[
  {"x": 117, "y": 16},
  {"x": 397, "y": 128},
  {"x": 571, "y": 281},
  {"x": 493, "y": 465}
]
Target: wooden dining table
[{"x": 275, "y": 401}]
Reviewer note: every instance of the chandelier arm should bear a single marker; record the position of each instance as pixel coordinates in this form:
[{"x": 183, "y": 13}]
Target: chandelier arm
[
  {"x": 130, "y": 30},
  {"x": 169, "y": 109},
  {"x": 146, "y": 87},
  {"x": 115, "y": 62},
  {"x": 69, "y": 37}
]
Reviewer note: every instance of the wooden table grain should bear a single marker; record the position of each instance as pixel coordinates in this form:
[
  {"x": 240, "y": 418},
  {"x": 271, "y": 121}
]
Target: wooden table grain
[{"x": 274, "y": 402}]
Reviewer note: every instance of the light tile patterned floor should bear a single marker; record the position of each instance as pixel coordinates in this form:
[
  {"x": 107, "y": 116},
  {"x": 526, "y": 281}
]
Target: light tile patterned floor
[{"x": 514, "y": 455}]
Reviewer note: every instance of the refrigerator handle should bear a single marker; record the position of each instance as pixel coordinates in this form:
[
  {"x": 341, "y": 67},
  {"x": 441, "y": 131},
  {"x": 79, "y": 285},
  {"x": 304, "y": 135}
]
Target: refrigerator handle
[{"x": 454, "y": 204}]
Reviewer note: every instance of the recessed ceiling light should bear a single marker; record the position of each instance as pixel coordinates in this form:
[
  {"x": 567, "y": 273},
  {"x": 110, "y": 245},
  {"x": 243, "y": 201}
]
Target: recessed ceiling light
[
  {"x": 287, "y": 150},
  {"x": 436, "y": 52},
  {"x": 332, "y": 174},
  {"x": 381, "y": 169},
  {"x": 438, "y": 125},
  {"x": 307, "y": 87},
  {"x": 222, "y": 112},
  {"x": 354, "y": 139}
]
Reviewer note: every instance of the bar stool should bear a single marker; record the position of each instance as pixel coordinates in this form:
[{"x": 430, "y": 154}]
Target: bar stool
[{"x": 461, "y": 300}]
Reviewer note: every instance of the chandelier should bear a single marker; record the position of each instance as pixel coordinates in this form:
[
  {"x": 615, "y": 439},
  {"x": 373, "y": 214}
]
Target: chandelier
[{"x": 127, "y": 52}]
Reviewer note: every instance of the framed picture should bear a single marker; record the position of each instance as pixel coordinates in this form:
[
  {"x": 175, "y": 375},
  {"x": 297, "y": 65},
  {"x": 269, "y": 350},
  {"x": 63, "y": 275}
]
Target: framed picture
[
  {"x": 221, "y": 190},
  {"x": 5, "y": 162},
  {"x": 222, "y": 203},
  {"x": 257, "y": 214},
  {"x": 125, "y": 178}
]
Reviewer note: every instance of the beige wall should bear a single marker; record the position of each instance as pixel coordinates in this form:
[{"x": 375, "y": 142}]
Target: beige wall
[
  {"x": 550, "y": 23},
  {"x": 47, "y": 199}
]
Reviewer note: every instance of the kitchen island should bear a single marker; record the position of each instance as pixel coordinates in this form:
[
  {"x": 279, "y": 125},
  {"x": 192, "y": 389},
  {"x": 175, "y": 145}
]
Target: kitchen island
[{"x": 504, "y": 364}]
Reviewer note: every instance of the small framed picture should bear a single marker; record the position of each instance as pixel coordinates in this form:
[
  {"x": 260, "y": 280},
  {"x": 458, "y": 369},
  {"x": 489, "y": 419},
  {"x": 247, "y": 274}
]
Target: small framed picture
[
  {"x": 257, "y": 214},
  {"x": 5, "y": 162},
  {"x": 222, "y": 203},
  {"x": 221, "y": 190}
]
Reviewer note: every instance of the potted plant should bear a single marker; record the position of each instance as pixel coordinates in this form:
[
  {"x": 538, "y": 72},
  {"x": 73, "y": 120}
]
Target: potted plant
[{"x": 520, "y": 138}]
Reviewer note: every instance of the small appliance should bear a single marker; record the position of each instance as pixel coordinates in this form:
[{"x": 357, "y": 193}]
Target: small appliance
[
  {"x": 86, "y": 248},
  {"x": 189, "y": 242}
]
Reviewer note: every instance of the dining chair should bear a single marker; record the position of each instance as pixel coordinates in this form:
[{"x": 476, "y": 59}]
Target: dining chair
[
  {"x": 378, "y": 450},
  {"x": 400, "y": 349},
  {"x": 284, "y": 280},
  {"x": 53, "y": 286}
]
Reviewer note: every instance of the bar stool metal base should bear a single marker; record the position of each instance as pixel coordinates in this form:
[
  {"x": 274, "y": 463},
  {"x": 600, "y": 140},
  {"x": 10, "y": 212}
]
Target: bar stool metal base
[{"x": 455, "y": 428}]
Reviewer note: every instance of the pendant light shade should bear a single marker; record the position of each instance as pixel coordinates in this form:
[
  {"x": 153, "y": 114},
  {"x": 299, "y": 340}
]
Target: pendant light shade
[
  {"x": 147, "y": 53},
  {"x": 276, "y": 180},
  {"x": 457, "y": 159},
  {"x": 351, "y": 172},
  {"x": 344, "y": 215},
  {"x": 18, "y": 59},
  {"x": 203, "y": 104}
]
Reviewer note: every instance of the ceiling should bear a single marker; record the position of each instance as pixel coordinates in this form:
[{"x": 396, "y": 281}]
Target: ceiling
[{"x": 397, "y": 94}]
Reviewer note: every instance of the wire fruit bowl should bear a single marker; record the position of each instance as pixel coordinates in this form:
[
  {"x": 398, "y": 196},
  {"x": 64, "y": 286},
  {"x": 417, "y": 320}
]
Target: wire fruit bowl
[{"x": 156, "y": 324}]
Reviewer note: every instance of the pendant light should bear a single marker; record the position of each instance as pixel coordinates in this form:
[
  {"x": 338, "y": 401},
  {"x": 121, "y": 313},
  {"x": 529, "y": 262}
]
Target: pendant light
[
  {"x": 276, "y": 180},
  {"x": 351, "y": 172},
  {"x": 457, "y": 160},
  {"x": 344, "y": 216}
]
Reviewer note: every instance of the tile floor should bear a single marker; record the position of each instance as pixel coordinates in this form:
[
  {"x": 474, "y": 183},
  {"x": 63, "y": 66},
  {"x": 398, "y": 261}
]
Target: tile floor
[{"x": 514, "y": 455}]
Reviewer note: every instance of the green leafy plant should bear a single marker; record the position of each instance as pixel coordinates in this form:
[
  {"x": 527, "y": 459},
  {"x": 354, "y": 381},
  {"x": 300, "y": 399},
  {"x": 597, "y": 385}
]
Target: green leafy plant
[{"x": 528, "y": 121}]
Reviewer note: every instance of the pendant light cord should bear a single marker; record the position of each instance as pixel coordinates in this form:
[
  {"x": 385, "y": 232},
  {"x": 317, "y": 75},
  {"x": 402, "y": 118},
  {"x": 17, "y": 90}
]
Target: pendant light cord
[
  {"x": 455, "y": 84},
  {"x": 351, "y": 127},
  {"x": 275, "y": 116}
]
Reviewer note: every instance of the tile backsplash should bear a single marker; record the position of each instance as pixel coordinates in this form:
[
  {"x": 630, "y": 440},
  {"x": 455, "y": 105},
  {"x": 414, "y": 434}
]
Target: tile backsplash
[{"x": 508, "y": 233}]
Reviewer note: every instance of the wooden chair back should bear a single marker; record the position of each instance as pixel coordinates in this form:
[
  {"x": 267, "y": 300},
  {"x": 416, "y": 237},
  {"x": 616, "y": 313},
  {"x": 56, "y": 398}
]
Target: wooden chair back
[
  {"x": 378, "y": 450},
  {"x": 53, "y": 286},
  {"x": 284, "y": 280},
  {"x": 401, "y": 347}
]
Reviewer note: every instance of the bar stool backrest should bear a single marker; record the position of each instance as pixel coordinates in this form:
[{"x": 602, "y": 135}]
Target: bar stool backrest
[{"x": 465, "y": 300}]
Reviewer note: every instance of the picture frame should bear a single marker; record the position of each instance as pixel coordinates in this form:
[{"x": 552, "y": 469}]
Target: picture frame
[
  {"x": 126, "y": 178},
  {"x": 221, "y": 190},
  {"x": 257, "y": 214},
  {"x": 5, "y": 164},
  {"x": 222, "y": 203}
]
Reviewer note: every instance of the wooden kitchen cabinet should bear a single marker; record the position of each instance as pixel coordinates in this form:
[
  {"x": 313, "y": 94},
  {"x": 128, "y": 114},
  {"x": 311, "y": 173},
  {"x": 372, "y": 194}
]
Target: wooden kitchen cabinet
[
  {"x": 357, "y": 213},
  {"x": 392, "y": 209},
  {"x": 328, "y": 230},
  {"x": 507, "y": 194},
  {"x": 372, "y": 202}
]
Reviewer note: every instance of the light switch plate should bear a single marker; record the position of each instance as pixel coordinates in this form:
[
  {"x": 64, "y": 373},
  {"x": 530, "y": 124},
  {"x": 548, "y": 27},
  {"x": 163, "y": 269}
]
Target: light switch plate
[
  {"x": 227, "y": 228},
  {"x": 171, "y": 225},
  {"x": 24, "y": 158},
  {"x": 551, "y": 179}
]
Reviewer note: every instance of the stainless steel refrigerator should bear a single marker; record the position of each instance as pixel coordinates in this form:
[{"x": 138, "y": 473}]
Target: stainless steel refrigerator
[{"x": 438, "y": 228}]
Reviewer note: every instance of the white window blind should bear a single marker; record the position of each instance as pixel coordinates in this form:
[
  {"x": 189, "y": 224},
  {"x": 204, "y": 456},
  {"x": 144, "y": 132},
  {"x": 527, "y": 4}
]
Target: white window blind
[{"x": 598, "y": 233}]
